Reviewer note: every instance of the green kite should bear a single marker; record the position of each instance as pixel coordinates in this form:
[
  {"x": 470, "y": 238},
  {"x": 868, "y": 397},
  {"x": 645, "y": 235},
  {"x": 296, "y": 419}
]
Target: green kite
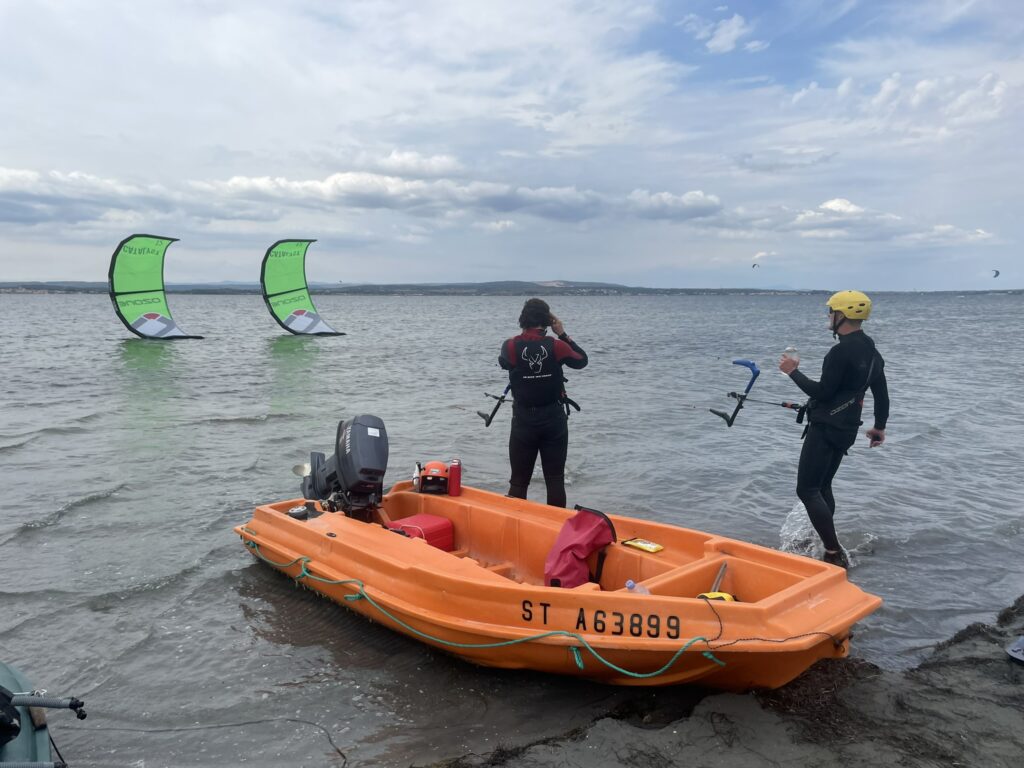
[
  {"x": 136, "y": 285},
  {"x": 286, "y": 292}
]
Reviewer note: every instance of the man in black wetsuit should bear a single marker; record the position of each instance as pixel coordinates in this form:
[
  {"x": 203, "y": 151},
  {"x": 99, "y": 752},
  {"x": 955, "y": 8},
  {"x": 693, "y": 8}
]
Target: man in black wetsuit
[
  {"x": 540, "y": 420},
  {"x": 850, "y": 368}
]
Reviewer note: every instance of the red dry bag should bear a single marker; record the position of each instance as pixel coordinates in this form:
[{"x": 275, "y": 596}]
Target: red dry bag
[{"x": 588, "y": 531}]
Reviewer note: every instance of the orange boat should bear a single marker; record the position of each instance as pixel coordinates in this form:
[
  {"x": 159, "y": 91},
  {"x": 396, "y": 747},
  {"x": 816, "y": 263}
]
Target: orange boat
[{"x": 479, "y": 591}]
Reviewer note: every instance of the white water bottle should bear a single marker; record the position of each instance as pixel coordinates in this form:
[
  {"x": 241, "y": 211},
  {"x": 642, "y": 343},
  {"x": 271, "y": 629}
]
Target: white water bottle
[{"x": 636, "y": 589}]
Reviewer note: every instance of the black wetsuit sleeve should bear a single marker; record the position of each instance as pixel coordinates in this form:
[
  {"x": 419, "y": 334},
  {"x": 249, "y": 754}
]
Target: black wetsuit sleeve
[
  {"x": 880, "y": 394},
  {"x": 506, "y": 357},
  {"x": 577, "y": 359},
  {"x": 832, "y": 371}
]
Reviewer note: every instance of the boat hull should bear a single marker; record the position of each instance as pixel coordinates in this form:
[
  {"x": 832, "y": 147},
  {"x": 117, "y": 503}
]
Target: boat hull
[
  {"x": 32, "y": 744},
  {"x": 486, "y": 601}
]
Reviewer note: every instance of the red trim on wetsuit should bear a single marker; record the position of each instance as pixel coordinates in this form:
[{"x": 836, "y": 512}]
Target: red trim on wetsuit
[{"x": 563, "y": 352}]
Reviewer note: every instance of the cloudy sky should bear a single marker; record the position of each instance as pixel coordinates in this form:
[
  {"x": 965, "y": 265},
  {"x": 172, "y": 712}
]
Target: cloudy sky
[{"x": 833, "y": 143}]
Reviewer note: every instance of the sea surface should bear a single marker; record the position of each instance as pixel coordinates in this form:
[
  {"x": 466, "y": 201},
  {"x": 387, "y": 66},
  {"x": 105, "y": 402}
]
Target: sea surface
[{"x": 125, "y": 464}]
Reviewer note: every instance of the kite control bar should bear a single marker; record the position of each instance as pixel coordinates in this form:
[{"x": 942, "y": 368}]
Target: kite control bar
[
  {"x": 800, "y": 408},
  {"x": 740, "y": 397},
  {"x": 488, "y": 418}
]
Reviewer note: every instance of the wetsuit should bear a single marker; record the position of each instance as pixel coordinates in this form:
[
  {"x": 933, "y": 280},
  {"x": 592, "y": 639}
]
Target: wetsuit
[
  {"x": 539, "y": 420},
  {"x": 850, "y": 368}
]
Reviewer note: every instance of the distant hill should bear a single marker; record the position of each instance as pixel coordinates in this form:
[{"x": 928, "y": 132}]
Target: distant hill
[{"x": 496, "y": 288}]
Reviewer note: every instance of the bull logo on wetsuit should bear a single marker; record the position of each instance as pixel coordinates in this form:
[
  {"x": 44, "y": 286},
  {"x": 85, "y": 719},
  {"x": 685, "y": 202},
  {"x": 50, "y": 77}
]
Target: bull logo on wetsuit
[{"x": 536, "y": 362}]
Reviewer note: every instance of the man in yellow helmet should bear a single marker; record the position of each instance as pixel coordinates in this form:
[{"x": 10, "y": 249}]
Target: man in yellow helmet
[{"x": 850, "y": 368}]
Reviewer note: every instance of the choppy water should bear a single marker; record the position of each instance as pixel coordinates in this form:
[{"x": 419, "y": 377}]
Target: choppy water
[{"x": 125, "y": 464}]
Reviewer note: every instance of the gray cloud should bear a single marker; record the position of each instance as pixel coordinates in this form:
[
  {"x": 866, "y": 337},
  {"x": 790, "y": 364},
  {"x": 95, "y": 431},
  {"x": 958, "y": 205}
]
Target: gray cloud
[
  {"x": 15, "y": 211},
  {"x": 409, "y": 163},
  {"x": 840, "y": 220},
  {"x": 774, "y": 161},
  {"x": 30, "y": 198},
  {"x": 416, "y": 196},
  {"x": 665, "y": 205}
]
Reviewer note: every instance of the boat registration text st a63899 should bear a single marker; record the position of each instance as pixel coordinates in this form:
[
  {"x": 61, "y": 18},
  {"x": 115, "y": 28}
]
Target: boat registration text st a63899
[{"x": 605, "y": 622}]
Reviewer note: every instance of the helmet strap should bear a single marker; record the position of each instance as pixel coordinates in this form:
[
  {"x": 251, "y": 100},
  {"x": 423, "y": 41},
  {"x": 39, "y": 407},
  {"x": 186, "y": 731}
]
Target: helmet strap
[{"x": 837, "y": 320}]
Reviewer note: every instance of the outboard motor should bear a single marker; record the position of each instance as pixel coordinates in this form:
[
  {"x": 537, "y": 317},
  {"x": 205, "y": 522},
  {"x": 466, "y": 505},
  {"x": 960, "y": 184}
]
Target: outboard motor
[{"x": 352, "y": 480}]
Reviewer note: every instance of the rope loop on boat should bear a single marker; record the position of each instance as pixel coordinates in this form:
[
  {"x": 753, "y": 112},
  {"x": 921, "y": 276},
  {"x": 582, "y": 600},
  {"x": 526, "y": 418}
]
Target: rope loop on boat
[{"x": 361, "y": 594}]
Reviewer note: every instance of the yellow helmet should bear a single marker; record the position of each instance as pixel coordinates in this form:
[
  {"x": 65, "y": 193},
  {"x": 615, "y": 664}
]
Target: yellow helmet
[{"x": 853, "y": 304}]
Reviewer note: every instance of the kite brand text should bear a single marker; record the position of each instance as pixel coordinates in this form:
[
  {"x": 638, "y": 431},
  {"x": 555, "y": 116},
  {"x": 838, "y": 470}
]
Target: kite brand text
[
  {"x": 137, "y": 250},
  {"x": 137, "y": 302},
  {"x": 292, "y": 300}
]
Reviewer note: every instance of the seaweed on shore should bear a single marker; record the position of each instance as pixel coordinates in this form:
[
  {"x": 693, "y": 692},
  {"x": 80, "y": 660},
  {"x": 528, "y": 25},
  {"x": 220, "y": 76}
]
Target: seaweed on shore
[{"x": 815, "y": 699}]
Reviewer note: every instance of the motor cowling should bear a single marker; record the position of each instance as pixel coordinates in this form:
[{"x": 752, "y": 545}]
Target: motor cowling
[{"x": 353, "y": 477}]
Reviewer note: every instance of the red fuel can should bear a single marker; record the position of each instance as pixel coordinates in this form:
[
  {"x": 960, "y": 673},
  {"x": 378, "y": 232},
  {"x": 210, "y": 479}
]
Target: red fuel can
[
  {"x": 437, "y": 530},
  {"x": 455, "y": 478}
]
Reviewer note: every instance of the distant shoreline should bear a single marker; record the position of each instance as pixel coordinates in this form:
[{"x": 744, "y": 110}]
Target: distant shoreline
[{"x": 508, "y": 288}]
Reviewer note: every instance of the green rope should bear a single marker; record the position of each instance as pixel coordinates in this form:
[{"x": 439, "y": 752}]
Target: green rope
[
  {"x": 304, "y": 573},
  {"x": 577, "y": 656}
]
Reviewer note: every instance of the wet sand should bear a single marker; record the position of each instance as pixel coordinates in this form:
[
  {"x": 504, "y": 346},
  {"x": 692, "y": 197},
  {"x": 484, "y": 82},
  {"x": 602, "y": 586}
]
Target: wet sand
[{"x": 962, "y": 706}]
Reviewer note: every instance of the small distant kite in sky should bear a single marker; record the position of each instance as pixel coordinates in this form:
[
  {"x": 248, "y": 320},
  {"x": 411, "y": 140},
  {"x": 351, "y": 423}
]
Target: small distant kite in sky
[
  {"x": 755, "y": 264},
  {"x": 995, "y": 273}
]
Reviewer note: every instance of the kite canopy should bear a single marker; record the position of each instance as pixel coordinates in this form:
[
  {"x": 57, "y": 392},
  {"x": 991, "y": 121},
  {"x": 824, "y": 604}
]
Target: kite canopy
[
  {"x": 283, "y": 278},
  {"x": 995, "y": 273},
  {"x": 136, "y": 284}
]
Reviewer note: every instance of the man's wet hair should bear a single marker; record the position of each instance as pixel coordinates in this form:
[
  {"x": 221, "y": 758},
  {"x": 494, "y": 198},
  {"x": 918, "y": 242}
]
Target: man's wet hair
[{"x": 536, "y": 313}]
